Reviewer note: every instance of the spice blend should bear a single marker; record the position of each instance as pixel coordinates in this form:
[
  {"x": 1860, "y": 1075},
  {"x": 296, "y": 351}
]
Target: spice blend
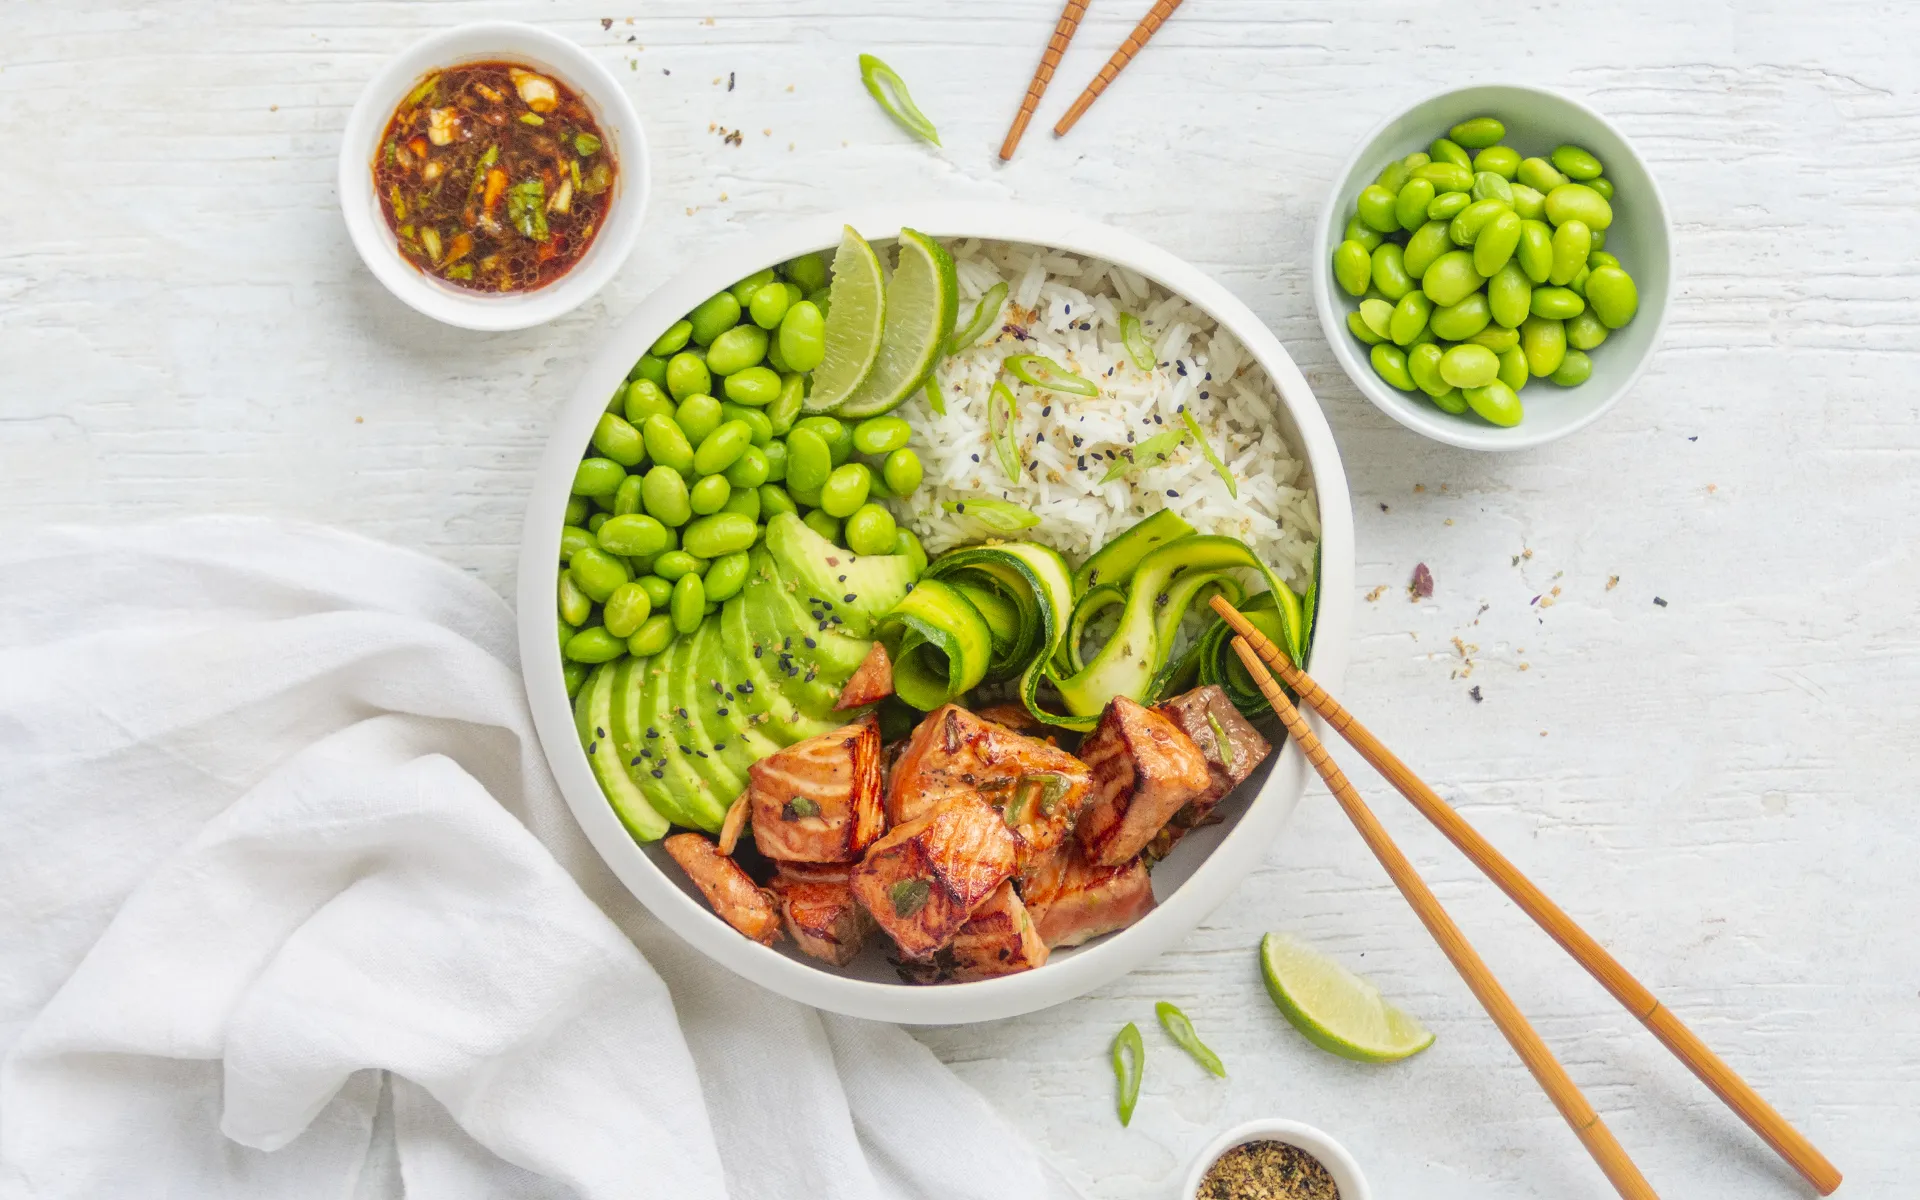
[{"x": 1267, "y": 1170}]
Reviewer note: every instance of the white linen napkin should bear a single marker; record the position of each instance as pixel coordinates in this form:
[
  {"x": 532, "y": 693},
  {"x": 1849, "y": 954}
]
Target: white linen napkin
[{"x": 273, "y": 821}]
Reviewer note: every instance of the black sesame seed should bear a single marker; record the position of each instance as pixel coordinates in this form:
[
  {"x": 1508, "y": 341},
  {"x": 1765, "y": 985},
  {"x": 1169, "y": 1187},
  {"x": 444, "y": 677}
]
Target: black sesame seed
[
  {"x": 975, "y": 457},
  {"x": 1040, "y": 438},
  {"x": 682, "y": 712},
  {"x": 1181, "y": 366},
  {"x": 652, "y": 732},
  {"x": 657, "y": 773},
  {"x": 843, "y": 579},
  {"x": 1082, "y": 464},
  {"x": 599, "y": 732},
  {"x": 747, "y": 688},
  {"x": 635, "y": 762},
  {"x": 849, "y": 597},
  {"x": 756, "y": 650},
  {"x": 786, "y": 643},
  {"x": 719, "y": 712},
  {"x": 686, "y": 750},
  {"x": 591, "y": 746},
  {"x": 1203, "y": 396},
  {"x": 811, "y": 644},
  {"x": 1047, "y": 411},
  {"x": 1157, "y": 420},
  {"x": 701, "y": 753},
  {"x": 719, "y": 745},
  {"x": 1076, "y": 440},
  {"x": 1174, "y": 494}
]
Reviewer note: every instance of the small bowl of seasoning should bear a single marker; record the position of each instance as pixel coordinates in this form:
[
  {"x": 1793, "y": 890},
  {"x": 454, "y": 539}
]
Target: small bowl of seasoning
[
  {"x": 1275, "y": 1160},
  {"x": 493, "y": 176}
]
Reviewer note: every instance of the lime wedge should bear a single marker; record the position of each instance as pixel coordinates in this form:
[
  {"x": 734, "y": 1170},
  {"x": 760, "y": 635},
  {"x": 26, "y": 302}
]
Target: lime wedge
[
  {"x": 923, "y": 302},
  {"x": 1335, "y": 1009},
  {"x": 856, "y": 316}
]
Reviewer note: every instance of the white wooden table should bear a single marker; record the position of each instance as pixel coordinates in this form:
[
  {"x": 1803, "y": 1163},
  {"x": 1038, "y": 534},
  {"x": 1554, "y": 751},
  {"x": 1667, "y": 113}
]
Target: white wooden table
[{"x": 1720, "y": 787}]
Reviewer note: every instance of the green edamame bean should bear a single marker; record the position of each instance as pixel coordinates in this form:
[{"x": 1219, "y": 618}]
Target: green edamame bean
[
  {"x": 664, "y": 492},
  {"x": 604, "y": 503},
  {"x": 597, "y": 477},
  {"x": 1614, "y": 296},
  {"x": 1409, "y": 318},
  {"x": 743, "y": 290},
  {"x": 1419, "y": 158},
  {"x": 574, "y": 539},
  {"x": 737, "y": 349},
  {"x": 1578, "y": 202},
  {"x": 626, "y": 609},
  {"x": 1496, "y": 242},
  {"x": 871, "y": 530},
  {"x": 1443, "y": 150},
  {"x": 823, "y": 523},
  {"x": 1584, "y": 332},
  {"x": 1473, "y": 218},
  {"x": 1503, "y": 161},
  {"x": 1539, "y": 174},
  {"x": 1353, "y": 267},
  {"x": 599, "y": 519},
  {"x": 1488, "y": 185},
  {"x": 1576, "y": 163},
  {"x": 645, "y": 399},
  {"x": 597, "y": 573},
  {"x": 1359, "y": 231},
  {"x": 839, "y": 437},
  {"x": 1423, "y": 364},
  {"x": 1575, "y": 369},
  {"x": 689, "y": 604},
  {"x": 650, "y": 367},
  {"x": 1535, "y": 251},
  {"x": 1604, "y": 186},
  {"x": 822, "y": 299},
  {"x": 749, "y": 470},
  {"x": 658, "y": 590},
  {"x": 618, "y": 440},
  {"x": 769, "y": 303},
  {"x": 1448, "y": 205},
  {"x": 1390, "y": 364},
  {"x": 574, "y": 673},
  {"x": 1544, "y": 340},
  {"x": 1375, "y": 206},
  {"x": 578, "y": 508},
  {"x": 746, "y": 502},
  {"x": 1390, "y": 271},
  {"x": 774, "y": 501},
  {"x": 782, "y": 412},
  {"x": 1393, "y": 176},
  {"x": 1497, "y": 338},
  {"x": 846, "y": 489},
  {"x": 809, "y": 462},
  {"x": 726, "y": 576},
  {"x": 1556, "y": 304},
  {"x": 1450, "y": 279},
  {"x": 721, "y": 448},
  {"x": 1495, "y": 403},
  {"x": 1600, "y": 258},
  {"x": 776, "y": 452},
  {"x": 809, "y": 271},
  {"x": 755, "y": 418},
  {"x": 667, "y": 443},
  {"x": 1453, "y": 400},
  {"x": 594, "y": 645},
  {"x": 1530, "y": 204},
  {"x": 1446, "y": 176},
  {"x": 655, "y": 634},
  {"x": 1478, "y": 133},
  {"x": 776, "y": 360},
  {"x": 1459, "y": 321},
  {"x": 902, "y": 472},
  {"x": 803, "y": 336},
  {"x": 753, "y": 386},
  {"x": 675, "y": 565},
  {"x": 698, "y": 416},
  {"x": 635, "y": 535},
  {"x": 1513, "y": 368},
  {"x": 626, "y": 499},
  {"x": 1578, "y": 284},
  {"x": 575, "y": 607},
  {"x": 687, "y": 375},
  {"x": 905, "y": 543},
  {"x": 1469, "y": 366},
  {"x": 1428, "y": 243},
  {"x": 709, "y": 495},
  {"x": 673, "y": 340},
  {"x": 1599, "y": 239},
  {"x": 1410, "y": 205},
  {"x": 1509, "y": 295},
  {"x": 721, "y": 533},
  {"x": 1357, "y": 325},
  {"x": 713, "y": 317},
  {"x": 881, "y": 435},
  {"x": 1378, "y": 315}
]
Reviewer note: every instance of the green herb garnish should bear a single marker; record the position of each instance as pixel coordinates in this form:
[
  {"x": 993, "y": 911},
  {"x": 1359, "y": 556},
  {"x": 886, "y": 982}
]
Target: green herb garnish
[
  {"x": 422, "y": 93},
  {"x": 487, "y": 159},
  {"x": 997, "y": 515},
  {"x": 1181, "y": 1030},
  {"x": 1150, "y": 453},
  {"x": 586, "y": 145},
  {"x": 1138, "y": 348},
  {"x": 1043, "y": 372},
  {"x": 527, "y": 118},
  {"x": 1219, "y": 468},
  {"x": 884, "y": 84},
  {"x": 1129, "y": 1063},
  {"x": 527, "y": 208},
  {"x": 909, "y": 896},
  {"x": 984, "y": 315},
  {"x": 1000, "y": 429},
  {"x": 463, "y": 271},
  {"x": 935, "y": 400},
  {"x": 799, "y": 807},
  {"x": 1222, "y": 744}
]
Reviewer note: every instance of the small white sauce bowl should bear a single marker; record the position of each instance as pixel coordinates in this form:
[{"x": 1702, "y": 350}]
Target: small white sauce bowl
[
  {"x": 545, "y": 52},
  {"x": 1332, "y": 1155}
]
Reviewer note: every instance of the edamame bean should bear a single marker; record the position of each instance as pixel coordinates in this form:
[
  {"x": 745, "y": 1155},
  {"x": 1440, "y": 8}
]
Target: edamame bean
[
  {"x": 697, "y": 416},
  {"x": 769, "y": 304},
  {"x": 1555, "y": 304},
  {"x": 782, "y": 412},
  {"x": 651, "y": 368},
  {"x": 846, "y": 489},
  {"x": 902, "y": 472},
  {"x": 1497, "y": 338},
  {"x": 709, "y": 495},
  {"x": 1585, "y": 331},
  {"x": 726, "y": 576},
  {"x": 755, "y": 418},
  {"x": 1544, "y": 340},
  {"x": 645, "y": 399},
  {"x": 1614, "y": 296},
  {"x": 774, "y": 501},
  {"x": 1458, "y": 322},
  {"x": 1443, "y": 150},
  {"x": 1423, "y": 364},
  {"x": 597, "y": 573},
  {"x": 575, "y": 608},
  {"x": 667, "y": 444},
  {"x": 753, "y": 386},
  {"x": 1419, "y": 158},
  {"x": 1535, "y": 251},
  {"x": 1353, "y": 267},
  {"x": 881, "y": 435},
  {"x": 594, "y": 645},
  {"x": 1473, "y": 218},
  {"x": 1513, "y": 368},
  {"x": 737, "y": 349},
  {"x": 1539, "y": 174},
  {"x": 749, "y": 470},
  {"x": 1409, "y": 319},
  {"x": 822, "y": 299},
  {"x": 776, "y": 453},
  {"x": 1509, "y": 295},
  {"x": 1450, "y": 279},
  {"x": 1448, "y": 205},
  {"x": 1376, "y": 208},
  {"x": 635, "y": 535},
  {"x": 1530, "y": 204},
  {"x": 597, "y": 477},
  {"x": 1575, "y": 369},
  {"x": 905, "y": 543},
  {"x": 618, "y": 440},
  {"x": 823, "y": 523},
  {"x": 1599, "y": 239},
  {"x": 746, "y": 502},
  {"x": 1503, "y": 161},
  {"x": 1358, "y": 325},
  {"x": 1428, "y": 243},
  {"x": 1496, "y": 242},
  {"x": 1487, "y": 185},
  {"x": 687, "y": 375},
  {"x": 803, "y": 336},
  {"x": 721, "y": 533},
  {"x": 599, "y": 519},
  {"x": 1410, "y": 206},
  {"x": 1576, "y": 163},
  {"x": 626, "y": 499},
  {"x": 1390, "y": 271},
  {"x": 721, "y": 448},
  {"x": 809, "y": 462},
  {"x": 1390, "y": 364},
  {"x": 673, "y": 340},
  {"x": 574, "y": 539},
  {"x": 1453, "y": 400},
  {"x": 1495, "y": 403},
  {"x": 1393, "y": 176},
  {"x": 675, "y": 565},
  {"x": 1603, "y": 185},
  {"x": 776, "y": 360},
  {"x": 1600, "y": 258},
  {"x": 655, "y": 634},
  {"x": 743, "y": 290},
  {"x": 1578, "y": 202},
  {"x": 838, "y": 437},
  {"x": 658, "y": 590},
  {"x": 1359, "y": 231},
  {"x": 1469, "y": 366},
  {"x": 1446, "y": 176},
  {"x": 689, "y": 604},
  {"x": 604, "y": 503},
  {"x": 626, "y": 609},
  {"x": 1478, "y": 133},
  {"x": 809, "y": 271},
  {"x": 713, "y": 317},
  {"x": 870, "y": 530},
  {"x": 664, "y": 492},
  {"x": 574, "y": 673},
  {"x": 1578, "y": 284},
  {"x": 578, "y": 508},
  {"x": 1378, "y": 315}
]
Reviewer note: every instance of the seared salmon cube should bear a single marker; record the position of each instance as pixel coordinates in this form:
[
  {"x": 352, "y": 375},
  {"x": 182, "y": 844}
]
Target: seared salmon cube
[
  {"x": 821, "y": 914},
  {"x": 1144, "y": 769},
  {"x": 870, "y": 683},
  {"x": 924, "y": 878},
  {"x": 819, "y": 800},
  {"x": 1040, "y": 789},
  {"x": 1072, "y": 901},
  {"x": 999, "y": 939},
  {"x": 1231, "y": 746},
  {"x": 740, "y": 901}
]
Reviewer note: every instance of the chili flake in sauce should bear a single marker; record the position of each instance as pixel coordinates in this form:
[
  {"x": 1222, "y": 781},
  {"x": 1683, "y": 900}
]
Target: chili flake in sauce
[{"x": 493, "y": 177}]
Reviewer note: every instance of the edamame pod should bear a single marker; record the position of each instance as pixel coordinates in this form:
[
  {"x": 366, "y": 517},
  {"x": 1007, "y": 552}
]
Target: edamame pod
[
  {"x": 803, "y": 336},
  {"x": 793, "y": 397},
  {"x": 1448, "y": 205},
  {"x": 1445, "y": 177},
  {"x": 650, "y": 368},
  {"x": 675, "y": 564},
  {"x": 1529, "y": 203},
  {"x": 697, "y": 416},
  {"x": 726, "y": 576},
  {"x": 1497, "y": 338},
  {"x": 658, "y": 590},
  {"x": 823, "y": 523},
  {"x": 835, "y": 433},
  {"x": 1539, "y": 174},
  {"x": 574, "y": 539},
  {"x": 1578, "y": 202},
  {"x": 881, "y": 435},
  {"x": 1495, "y": 403},
  {"x": 667, "y": 444},
  {"x": 737, "y": 349},
  {"x": 1474, "y": 218},
  {"x": 769, "y": 304},
  {"x": 634, "y": 536},
  {"x": 594, "y": 645},
  {"x": 1393, "y": 176},
  {"x": 721, "y": 448},
  {"x": 1390, "y": 364},
  {"x": 579, "y": 506},
  {"x": 746, "y": 502},
  {"x": 774, "y": 501},
  {"x": 1443, "y": 150},
  {"x": 1357, "y": 324},
  {"x": 1376, "y": 208},
  {"x": 645, "y": 399},
  {"x": 721, "y": 533},
  {"x": 618, "y": 440},
  {"x": 689, "y": 604},
  {"x": 1359, "y": 231},
  {"x": 776, "y": 453},
  {"x": 713, "y": 317},
  {"x": 1488, "y": 185},
  {"x": 1452, "y": 400},
  {"x": 749, "y": 470},
  {"x": 902, "y": 472},
  {"x": 575, "y": 607},
  {"x": 1585, "y": 331},
  {"x": 846, "y": 489},
  {"x": 1614, "y": 296},
  {"x": 597, "y": 573},
  {"x": 808, "y": 460},
  {"x": 673, "y": 340},
  {"x": 1603, "y": 185},
  {"x": 687, "y": 375},
  {"x": 755, "y": 387},
  {"x": 1545, "y": 343},
  {"x": 1378, "y": 316},
  {"x": 626, "y": 609},
  {"x": 1503, "y": 161},
  {"x": 755, "y": 418},
  {"x": 1423, "y": 364},
  {"x": 870, "y": 530}
]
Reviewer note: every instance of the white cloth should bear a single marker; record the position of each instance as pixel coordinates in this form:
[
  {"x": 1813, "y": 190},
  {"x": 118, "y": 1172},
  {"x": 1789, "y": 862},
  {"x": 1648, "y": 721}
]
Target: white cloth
[{"x": 273, "y": 820}]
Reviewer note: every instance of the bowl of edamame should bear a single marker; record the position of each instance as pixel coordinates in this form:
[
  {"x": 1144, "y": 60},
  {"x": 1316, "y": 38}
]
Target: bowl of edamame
[{"x": 1493, "y": 267}]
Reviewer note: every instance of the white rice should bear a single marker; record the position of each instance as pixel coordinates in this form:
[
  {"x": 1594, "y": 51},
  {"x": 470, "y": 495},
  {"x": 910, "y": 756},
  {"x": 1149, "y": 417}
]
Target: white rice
[{"x": 1069, "y": 309}]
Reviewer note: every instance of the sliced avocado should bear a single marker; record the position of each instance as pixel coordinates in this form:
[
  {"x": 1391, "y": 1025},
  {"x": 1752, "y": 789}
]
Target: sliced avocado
[
  {"x": 692, "y": 691},
  {"x": 630, "y": 740},
  {"x": 593, "y": 716},
  {"x": 736, "y": 741},
  {"x": 756, "y": 697},
  {"x": 692, "y": 799},
  {"x": 807, "y": 663},
  {"x": 860, "y": 587},
  {"x": 717, "y": 789}
]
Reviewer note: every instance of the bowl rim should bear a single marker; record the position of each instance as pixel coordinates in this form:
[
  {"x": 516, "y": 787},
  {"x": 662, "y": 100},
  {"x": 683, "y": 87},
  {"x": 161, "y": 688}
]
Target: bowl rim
[
  {"x": 476, "y": 41},
  {"x": 1211, "y": 880},
  {"x": 1317, "y": 1142},
  {"x": 1404, "y": 409}
]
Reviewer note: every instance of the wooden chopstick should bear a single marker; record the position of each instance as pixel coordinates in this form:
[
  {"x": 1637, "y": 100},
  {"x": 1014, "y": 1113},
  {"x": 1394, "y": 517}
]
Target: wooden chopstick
[
  {"x": 1721, "y": 1079},
  {"x": 1553, "y": 1078},
  {"x": 1043, "y": 74},
  {"x": 1148, "y": 26}
]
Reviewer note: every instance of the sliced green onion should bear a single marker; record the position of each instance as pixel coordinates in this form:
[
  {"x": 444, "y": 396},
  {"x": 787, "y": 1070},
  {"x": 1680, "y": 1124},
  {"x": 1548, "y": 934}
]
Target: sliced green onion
[
  {"x": 480, "y": 171},
  {"x": 985, "y": 314},
  {"x": 885, "y": 86},
  {"x": 1219, "y": 468},
  {"x": 1127, "y": 1073},
  {"x": 1150, "y": 453},
  {"x": 528, "y": 118},
  {"x": 935, "y": 400},
  {"x": 463, "y": 271},
  {"x": 1180, "y": 1029},
  {"x": 997, "y": 515},
  {"x": 586, "y": 145},
  {"x": 1000, "y": 430},
  {"x": 1028, "y": 368},
  {"x": 427, "y": 88},
  {"x": 430, "y": 238},
  {"x": 1138, "y": 348},
  {"x": 527, "y": 208},
  {"x": 1222, "y": 743},
  {"x": 398, "y": 201}
]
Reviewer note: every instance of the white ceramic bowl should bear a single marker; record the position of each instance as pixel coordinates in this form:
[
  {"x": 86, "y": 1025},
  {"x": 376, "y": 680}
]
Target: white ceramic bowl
[
  {"x": 1332, "y": 1155},
  {"x": 546, "y": 52},
  {"x": 1537, "y": 120},
  {"x": 1205, "y": 866}
]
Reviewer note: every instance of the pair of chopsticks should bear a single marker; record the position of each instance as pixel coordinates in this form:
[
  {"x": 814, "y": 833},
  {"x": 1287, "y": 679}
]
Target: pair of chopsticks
[
  {"x": 1050, "y": 61},
  {"x": 1259, "y": 653}
]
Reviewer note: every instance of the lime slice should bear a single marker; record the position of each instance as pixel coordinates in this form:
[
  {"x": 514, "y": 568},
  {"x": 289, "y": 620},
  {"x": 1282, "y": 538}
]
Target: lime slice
[
  {"x": 1337, "y": 1010},
  {"x": 856, "y": 315},
  {"x": 923, "y": 302}
]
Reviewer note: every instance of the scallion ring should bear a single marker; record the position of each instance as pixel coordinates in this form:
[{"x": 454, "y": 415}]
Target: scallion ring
[
  {"x": 1219, "y": 468},
  {"x": 1138, "y": 348},
  {"x": 1000, "y": 429},
  {"x": 997, "y": 515},
  {"x": 885, "y": 86},
  {"x": 1042, "y": 372},
  {"x": 1150, "y": 453},
  {"x": 1129, "y": 1063},
  {"x": 985, "y": 315},
  {"x": 1180, "y": 1029}
]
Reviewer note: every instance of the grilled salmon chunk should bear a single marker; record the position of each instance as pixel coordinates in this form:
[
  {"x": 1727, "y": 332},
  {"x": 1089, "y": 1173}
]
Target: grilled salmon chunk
[
  {"x": 1231, "y": 746},
  {"x": 1040, "y": 789},
  {"x": 819, "y": 800},
  {"x": 1144, "y": 769},
  {"x": 924, "y": 878},
  {"x": 733, "y": 894},
  {"x": 1073, "y": 901},
  {"x": 999, "y": 939},
  {"x": 821, "y": 914},
  {"x": 870, "y": 683}
]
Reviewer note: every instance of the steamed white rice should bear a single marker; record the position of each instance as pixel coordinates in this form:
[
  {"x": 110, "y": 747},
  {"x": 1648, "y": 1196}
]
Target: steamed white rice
[{"x": 1068, "y": 307}]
